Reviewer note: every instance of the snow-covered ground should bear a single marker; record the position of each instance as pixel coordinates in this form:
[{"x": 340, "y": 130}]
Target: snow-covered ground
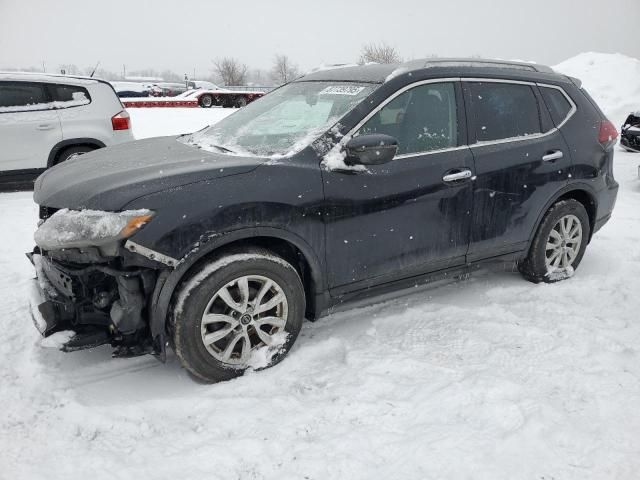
[
  {"x": 491, "y": 378},
  {"x": 156, "y": 122}
]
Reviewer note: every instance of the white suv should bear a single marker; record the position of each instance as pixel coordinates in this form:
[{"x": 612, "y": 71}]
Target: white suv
[{"x": 46, "y": 119}]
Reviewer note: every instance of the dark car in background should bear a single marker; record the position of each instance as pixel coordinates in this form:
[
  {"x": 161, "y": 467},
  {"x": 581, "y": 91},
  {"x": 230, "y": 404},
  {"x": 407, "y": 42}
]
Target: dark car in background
[
  {"x": 630, "y": 133},
  {"x": 338, "y": 187}
]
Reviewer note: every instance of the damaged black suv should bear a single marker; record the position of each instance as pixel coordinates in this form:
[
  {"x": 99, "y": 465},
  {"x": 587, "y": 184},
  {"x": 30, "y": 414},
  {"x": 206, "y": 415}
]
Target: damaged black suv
[{"x": 341, "y": 186}]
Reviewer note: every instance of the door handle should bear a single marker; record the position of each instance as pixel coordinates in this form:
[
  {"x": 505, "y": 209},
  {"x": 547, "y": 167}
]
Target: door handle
[
  {"x": 45, "y": 126},
  {"x": 552, "y": 156},
  {"x": 455, "y": 176}
]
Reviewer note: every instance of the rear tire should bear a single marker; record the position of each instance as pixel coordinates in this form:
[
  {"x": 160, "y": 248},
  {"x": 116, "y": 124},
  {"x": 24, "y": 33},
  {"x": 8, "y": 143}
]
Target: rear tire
[
  {"x": 205, "y": 101},
  {"x": 220, "y": 327},
  {"x": 72, "y": 152},
  {"x": 241, "y": 102},
  {"x": 559, "y": 244}
]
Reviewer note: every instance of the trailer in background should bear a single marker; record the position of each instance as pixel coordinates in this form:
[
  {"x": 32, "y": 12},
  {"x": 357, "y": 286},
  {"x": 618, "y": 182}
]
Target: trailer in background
[{"x": 223, "y": 97}]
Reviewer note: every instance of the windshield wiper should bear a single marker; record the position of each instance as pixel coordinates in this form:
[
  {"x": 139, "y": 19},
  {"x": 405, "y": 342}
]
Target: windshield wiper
[{"x": 221, "y": 148}]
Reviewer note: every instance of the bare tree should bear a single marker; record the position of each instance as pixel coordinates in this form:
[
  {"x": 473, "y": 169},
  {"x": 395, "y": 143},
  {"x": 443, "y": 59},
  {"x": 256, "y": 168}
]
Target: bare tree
[
  {"x": 379, "y": 53},
  {"x": 231, "y": 71},
  {"x": 69, "y": 69},
  {"x": 283, "y": 69}
]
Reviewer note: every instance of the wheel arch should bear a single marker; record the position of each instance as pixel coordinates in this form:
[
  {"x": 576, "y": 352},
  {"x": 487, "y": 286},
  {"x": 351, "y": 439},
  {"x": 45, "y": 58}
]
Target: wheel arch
[
  {"x": 282, "y": 243},
  {"x": 581, "y": 192},
  {"x": 71, "y": 142}
]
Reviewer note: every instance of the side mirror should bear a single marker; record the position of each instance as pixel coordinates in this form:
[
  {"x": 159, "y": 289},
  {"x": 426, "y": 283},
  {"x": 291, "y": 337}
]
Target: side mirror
[{"x": 371, "y": 149}]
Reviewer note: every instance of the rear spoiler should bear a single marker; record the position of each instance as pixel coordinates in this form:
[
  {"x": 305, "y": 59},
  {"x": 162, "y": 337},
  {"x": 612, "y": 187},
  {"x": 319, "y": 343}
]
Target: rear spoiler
[{"x": 576, "y": 81}]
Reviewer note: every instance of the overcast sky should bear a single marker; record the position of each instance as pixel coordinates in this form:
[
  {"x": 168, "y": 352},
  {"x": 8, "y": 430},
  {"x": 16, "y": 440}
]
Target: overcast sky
[{"x": 183, "y": 35}]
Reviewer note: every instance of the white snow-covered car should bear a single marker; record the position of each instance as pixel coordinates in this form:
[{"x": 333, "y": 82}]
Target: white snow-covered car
[
  {"x": 196, "y": 84},
  {"x": 46, "y": 119}
]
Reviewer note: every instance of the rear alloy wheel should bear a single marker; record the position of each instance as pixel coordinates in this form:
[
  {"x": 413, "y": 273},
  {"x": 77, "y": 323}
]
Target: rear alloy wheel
[
  {"x": 563, "y": 244},
  {"x": 243, "y": 310},
  {"x": 206, "y": 101},
  {"x": 559, "y": 244}
]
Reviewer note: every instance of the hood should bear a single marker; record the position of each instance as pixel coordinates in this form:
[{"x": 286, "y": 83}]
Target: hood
[{"x": 109, "y": 178}]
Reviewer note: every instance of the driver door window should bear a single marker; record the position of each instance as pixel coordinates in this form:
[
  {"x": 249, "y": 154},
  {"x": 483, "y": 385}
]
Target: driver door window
[{"x": 422, "y": 119}]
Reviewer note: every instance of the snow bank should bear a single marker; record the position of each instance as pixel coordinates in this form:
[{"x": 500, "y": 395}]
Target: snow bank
[{"x": 613, "y": 80}]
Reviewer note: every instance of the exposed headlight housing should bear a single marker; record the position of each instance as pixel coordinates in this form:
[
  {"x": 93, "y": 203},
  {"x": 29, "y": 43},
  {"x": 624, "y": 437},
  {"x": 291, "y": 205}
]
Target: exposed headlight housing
[{"x": 82, "y": 228}]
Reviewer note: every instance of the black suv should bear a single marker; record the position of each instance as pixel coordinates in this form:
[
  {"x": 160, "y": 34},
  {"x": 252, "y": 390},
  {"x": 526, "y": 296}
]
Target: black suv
[{"x": 345, "y": 184}]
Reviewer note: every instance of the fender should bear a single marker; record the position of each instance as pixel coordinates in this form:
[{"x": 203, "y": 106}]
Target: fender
[
  {"x": 168, "y": 280},
  {"x": 572, "y": 187},
  {"x": 71, "y": 143}
]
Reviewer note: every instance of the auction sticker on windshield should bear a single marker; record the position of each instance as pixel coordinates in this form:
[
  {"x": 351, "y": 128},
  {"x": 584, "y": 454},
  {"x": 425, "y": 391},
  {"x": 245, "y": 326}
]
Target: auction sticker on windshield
[{"x": 341, "y": 90}]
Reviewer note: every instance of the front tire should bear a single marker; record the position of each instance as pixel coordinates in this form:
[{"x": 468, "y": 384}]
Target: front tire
[
  {"x": 241, "y": 310},
  {"x": 559, "y": 244}
]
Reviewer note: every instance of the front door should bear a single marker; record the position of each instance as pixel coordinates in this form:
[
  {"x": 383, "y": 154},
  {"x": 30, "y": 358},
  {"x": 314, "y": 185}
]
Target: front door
[{"x": 410, "y": 215}]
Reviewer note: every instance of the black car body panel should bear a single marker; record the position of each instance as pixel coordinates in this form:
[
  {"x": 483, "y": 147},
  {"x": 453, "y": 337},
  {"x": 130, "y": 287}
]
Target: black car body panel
[
  {"x": 108, "y": 180},
  {"x": 350, "y": 233}
]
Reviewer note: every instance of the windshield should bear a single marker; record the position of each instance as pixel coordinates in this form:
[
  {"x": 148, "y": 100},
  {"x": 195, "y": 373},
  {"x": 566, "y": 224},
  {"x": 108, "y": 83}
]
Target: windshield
[{"x": 283, "y": 122}]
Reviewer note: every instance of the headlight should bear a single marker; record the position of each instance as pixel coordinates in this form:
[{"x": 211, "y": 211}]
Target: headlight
[{"x": 82, "y": 228}]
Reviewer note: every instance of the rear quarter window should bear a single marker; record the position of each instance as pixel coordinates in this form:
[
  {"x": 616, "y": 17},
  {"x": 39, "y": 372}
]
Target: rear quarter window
[
  {"x": 557, "y": 104},
  {"x": 67, "y": 96},
  {"x": 503, "y": 110}
]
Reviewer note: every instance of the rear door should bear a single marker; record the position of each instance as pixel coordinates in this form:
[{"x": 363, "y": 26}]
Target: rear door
[
  {"x": 521, "y": 161},
  {"x": 29, "y": 126},
  {"x": 403, "y": 218}
]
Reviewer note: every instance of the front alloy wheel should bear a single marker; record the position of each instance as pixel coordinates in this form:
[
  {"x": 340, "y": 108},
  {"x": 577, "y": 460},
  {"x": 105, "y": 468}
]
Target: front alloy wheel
[
  {"x": 246, "y": 314},
  {"x": 241, "y": 310}
]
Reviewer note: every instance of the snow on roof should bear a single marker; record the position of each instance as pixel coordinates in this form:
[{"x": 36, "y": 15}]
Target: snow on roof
[{"x": 47, "y": 77}]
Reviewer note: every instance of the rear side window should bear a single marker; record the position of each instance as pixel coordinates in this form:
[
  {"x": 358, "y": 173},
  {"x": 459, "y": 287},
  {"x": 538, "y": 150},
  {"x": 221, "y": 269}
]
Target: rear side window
[
  {"x": 422, "y": 119},
  {"x": 558, "y": 105},
  {"x": 22, "y": 96},
  {"x": 503, "y": 110},
  {"x": 70, "y": 95}
]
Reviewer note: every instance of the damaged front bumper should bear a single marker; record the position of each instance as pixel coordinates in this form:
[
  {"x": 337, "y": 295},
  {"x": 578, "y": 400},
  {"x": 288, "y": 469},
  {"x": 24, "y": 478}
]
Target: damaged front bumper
[{"x": 100, "y": 303}]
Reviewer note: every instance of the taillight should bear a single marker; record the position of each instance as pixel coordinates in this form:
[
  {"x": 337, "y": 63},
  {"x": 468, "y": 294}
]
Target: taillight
[
  {"x": 608, "y": 132},
  {"x": 121, "y": 121}
]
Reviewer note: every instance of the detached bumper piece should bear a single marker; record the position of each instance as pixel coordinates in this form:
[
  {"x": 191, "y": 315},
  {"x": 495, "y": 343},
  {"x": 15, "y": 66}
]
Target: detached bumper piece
[
  {"x": 630, "y": 134},
  {"x": 99, "y": 303}
]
